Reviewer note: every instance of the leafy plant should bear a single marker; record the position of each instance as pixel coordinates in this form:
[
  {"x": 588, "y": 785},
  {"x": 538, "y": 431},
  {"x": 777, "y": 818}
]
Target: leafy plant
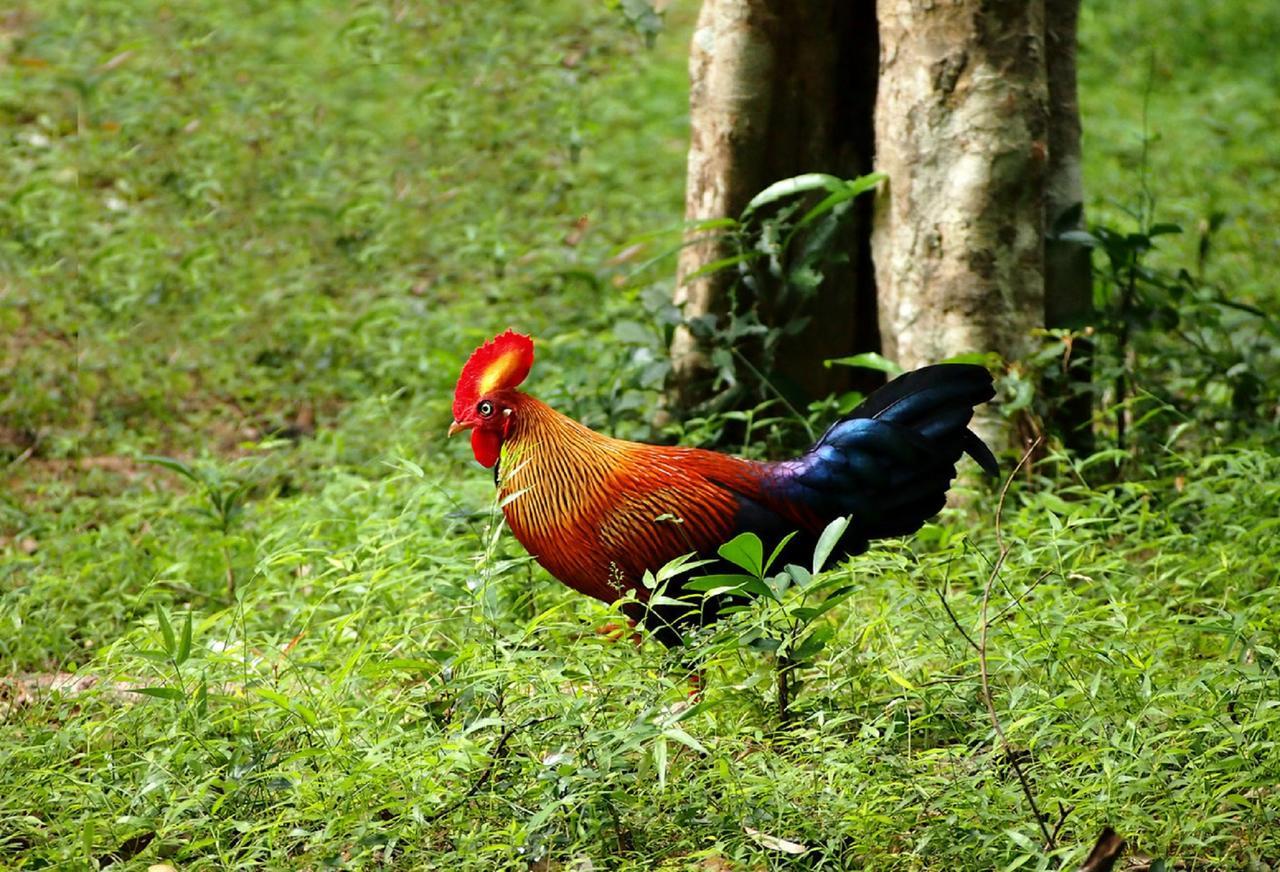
[
  {"x": 786, "y": 628},
  {"x": 223, "y": 503},
  {"x": 1168, "y": 349},
  {"x": 784, "y": 241}
]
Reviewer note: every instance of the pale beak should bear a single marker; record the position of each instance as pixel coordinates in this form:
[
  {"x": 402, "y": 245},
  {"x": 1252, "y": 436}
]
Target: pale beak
[{"x": 457, "y": 427}]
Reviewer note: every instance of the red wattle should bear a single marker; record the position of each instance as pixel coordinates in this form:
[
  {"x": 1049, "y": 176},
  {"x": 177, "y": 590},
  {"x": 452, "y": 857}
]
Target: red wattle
[{"x": 486, "y": 445}]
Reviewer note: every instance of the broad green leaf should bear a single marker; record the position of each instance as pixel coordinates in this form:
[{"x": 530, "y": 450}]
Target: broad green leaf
[
  {"x": 274, "y": 696},
  {"x": 679, "y": 566},
  {"x": 731, "y": 582},
  {"x": 184, "y": 642},
  {"x": 308, "y": 716},
  {"x": 867, "y": 360},
  {"x": 899, "y": 680},
  {"x": 790, "y": 187},
  {"x": 710, "y": 224},
  {"x": 777, "y": 551},
  {"x": 824, "y": 206},
  {"x": 989, "y": 359},
  {"x": 812, "y": 612},
  {"x": 512, "y": 497},
  {"x": 745, "y": 550},
  {"x": 684, "y": 738},
  {"x": 865, "y": 183},
  {"x": 850, "y": 190},
  {"x": 1081, "y": 237},
  {"x": 813, "y": 643},
  {"x": 166, "y": 632},
  {"x": 412, "y": 467},
  {"x": 763, "y": 643},
  {"x": 172, "y": 465},
  {"x": 723, "y": 589},
  {"x": 799, "y": 575},
  {"x": 481, "y": 724},
  {"x": 722, "y": 263},
  {"x": 778, "y": 584},
  {"x": 159, "y": 692},
  {"x": 827, "y": 542}
]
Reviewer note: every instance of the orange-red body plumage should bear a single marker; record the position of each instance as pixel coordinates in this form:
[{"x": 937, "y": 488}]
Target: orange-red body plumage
[{"x": 597, "y": 512}]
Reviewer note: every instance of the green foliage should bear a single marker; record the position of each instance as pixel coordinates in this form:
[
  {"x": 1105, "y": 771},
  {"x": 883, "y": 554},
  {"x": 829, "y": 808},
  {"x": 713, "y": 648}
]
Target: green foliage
[
  {"x": 254, "y": 242},
  {"x": 371, "y": 698},
  {"x": 785, "y": 628},
  {"x": 1169, "y": 352},
  {"x": 783, "y": 246}
]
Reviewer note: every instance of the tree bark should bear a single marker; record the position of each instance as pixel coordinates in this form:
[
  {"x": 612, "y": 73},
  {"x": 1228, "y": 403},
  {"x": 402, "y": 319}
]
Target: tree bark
[
  {"x": 731, "y": 71},
  {"x": 968, "y": 106},
  {"x": 1068, "y": 298},
  {"x": 961, "y": 125},
  {"x": 776, "y": 89}
]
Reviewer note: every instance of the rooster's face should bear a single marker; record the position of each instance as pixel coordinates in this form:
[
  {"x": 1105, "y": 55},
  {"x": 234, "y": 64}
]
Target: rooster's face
[
  {"x": 483, "y": 401},
  {"x": 489, "y": 420}
]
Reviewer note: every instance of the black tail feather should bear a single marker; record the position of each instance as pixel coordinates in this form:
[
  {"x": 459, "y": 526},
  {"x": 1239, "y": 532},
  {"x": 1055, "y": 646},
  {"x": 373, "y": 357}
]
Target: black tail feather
[{"x": 890, "y": 463}]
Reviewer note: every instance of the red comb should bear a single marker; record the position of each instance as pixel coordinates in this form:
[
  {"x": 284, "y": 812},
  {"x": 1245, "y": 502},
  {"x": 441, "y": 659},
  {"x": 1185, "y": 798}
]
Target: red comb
[{"x": 500, "y": 364}]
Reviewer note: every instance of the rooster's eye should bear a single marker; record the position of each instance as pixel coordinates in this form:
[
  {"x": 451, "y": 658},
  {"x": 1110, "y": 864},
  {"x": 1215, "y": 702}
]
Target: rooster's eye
[{"x": 485, "y": 408}]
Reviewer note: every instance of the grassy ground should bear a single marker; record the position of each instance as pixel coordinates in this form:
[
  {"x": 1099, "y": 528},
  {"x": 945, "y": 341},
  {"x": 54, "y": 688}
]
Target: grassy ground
[{"x": 262, "y": 237}]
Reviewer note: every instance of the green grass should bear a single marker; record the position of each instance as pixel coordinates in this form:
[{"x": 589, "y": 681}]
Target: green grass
[{"x": 262, "y": 238}]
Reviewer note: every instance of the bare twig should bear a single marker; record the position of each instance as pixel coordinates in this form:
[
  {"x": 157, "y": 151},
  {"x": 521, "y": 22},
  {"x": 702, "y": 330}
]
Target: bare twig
[
  {"x": 1016, "y": 600},
  {"x": 24, "y": 456},
  {"x": 1049, "y": 839},
  {"x": 499, "y": 751},
  {"x": 1063, "y": 811},
  {"x": 942, "y": 597}
]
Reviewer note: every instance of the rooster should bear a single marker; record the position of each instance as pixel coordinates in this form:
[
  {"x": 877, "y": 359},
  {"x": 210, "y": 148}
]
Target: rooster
[{"x": 597, "y": 512}]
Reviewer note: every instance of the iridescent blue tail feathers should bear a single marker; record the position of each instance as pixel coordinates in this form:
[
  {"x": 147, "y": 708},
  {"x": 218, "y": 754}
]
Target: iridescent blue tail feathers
[{"x": 890, "y": 462}]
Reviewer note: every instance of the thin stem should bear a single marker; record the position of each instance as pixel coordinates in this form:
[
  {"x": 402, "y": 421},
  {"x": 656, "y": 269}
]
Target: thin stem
[
  {"x": 987, "y": 698},
  {"x": 765, "y": 381}
]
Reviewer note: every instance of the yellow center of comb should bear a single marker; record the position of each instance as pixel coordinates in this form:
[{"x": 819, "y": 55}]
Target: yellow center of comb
[{"x": 499, "y": 372}]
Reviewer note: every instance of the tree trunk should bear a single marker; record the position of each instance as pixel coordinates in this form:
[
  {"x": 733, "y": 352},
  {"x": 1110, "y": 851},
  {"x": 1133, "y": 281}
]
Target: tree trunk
[
  {"x": 968, "y": 106},
  {"x": 776, "y": 89},
  {"x": 731, "y": 72},
  {"x": 961, "y": 126},
  {"x": 1068, "y": 296}
]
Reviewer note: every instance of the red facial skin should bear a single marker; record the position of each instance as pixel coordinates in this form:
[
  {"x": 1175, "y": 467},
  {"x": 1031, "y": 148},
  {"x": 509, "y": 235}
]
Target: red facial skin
[{"x": 487, "y": 430}]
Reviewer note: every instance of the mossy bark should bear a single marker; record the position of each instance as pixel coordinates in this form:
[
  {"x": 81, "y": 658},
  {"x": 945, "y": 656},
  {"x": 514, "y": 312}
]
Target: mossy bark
[{"x": 961, "y": 131}]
